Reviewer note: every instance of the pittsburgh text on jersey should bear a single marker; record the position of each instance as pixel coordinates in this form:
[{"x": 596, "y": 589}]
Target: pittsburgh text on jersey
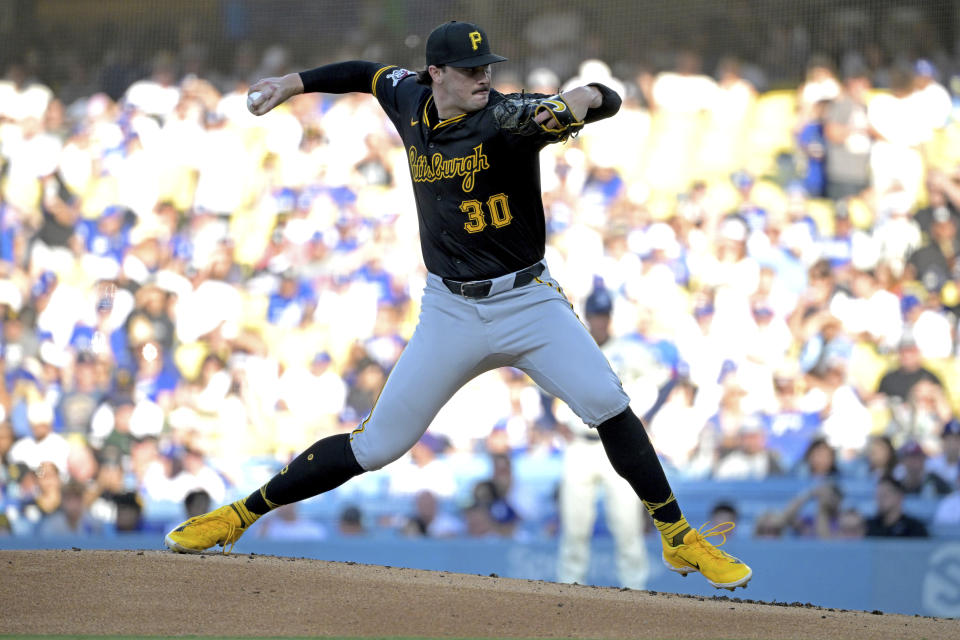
[{"x": 436, "y": 167}]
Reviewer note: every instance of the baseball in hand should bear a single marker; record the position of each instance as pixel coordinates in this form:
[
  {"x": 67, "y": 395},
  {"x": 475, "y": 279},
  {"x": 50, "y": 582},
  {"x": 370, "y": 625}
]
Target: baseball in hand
[{"x": 253, "y": 99}]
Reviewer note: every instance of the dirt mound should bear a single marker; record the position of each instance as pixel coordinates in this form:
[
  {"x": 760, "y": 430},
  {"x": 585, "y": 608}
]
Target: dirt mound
[{"x": 156, "y": 592}]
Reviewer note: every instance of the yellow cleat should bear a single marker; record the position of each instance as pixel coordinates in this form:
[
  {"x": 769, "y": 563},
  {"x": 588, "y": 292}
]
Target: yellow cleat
[
  {"x": 696, "y": 554},
  {"x": 221, "y": 526}
]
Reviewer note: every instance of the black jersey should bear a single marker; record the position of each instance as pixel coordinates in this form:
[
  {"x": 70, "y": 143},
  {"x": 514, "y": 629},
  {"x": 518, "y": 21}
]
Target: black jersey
[{"x": 477, "y": 186}]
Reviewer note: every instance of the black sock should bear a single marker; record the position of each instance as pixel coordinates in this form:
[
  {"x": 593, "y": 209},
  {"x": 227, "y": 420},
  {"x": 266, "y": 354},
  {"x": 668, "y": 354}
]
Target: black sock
[
  {"x": 633, "y": 457},
  {"x": 327, "y": 464}
]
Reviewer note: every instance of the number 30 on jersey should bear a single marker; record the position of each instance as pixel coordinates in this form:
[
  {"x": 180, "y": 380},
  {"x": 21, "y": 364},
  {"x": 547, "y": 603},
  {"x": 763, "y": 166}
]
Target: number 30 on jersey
[{"x": 498, "y": 207}]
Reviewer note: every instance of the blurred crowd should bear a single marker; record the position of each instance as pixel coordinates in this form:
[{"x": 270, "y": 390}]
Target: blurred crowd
[{"x": 190, "y": 295}]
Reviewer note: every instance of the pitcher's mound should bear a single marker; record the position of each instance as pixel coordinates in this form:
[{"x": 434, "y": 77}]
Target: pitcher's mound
[{"x": 162, "y": 593}]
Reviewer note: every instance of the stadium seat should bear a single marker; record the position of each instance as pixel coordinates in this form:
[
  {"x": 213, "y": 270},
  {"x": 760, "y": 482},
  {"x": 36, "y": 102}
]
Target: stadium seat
[
  {"x": 771, "y": 127},
  {"x": 822, "y": 212}
]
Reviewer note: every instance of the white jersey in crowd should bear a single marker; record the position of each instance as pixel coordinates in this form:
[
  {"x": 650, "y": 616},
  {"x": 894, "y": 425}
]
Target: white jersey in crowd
[{"x": 587, "y": 470}]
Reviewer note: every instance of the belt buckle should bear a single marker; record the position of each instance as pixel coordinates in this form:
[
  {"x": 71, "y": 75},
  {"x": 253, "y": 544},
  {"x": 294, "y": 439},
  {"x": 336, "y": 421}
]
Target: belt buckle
[{"x": 478, "y": 289}]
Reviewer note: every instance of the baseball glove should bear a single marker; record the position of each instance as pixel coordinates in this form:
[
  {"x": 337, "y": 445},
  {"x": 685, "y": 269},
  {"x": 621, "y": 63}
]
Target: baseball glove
[{"x": 519, "y": 114}]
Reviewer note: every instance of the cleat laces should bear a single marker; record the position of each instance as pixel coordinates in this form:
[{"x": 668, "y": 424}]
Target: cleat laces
[
  {"x": 230, "y": 538},
  {"x": 701, "y": 536}
]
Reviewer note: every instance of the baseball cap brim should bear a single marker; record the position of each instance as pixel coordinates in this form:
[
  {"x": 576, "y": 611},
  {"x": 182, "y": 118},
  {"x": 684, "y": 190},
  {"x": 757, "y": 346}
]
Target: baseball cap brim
[{"x": 476, "y": 61}]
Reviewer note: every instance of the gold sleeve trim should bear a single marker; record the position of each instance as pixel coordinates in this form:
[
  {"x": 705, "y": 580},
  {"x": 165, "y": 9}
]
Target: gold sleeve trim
[{"x": 376, "y": 77}]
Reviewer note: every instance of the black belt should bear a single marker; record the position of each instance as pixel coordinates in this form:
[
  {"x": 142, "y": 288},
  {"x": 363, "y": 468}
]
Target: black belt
[{"x": 481, "y": 288}]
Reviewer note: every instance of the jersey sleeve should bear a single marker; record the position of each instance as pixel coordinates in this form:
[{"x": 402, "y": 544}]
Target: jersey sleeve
[
  {"x": 396, "y": 90},
  {"x": 392, "y": 86},
  {"x": 340, "y": 77}
]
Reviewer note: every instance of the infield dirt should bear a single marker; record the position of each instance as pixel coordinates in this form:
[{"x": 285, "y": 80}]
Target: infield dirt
[{"x": 161, "y": 593}]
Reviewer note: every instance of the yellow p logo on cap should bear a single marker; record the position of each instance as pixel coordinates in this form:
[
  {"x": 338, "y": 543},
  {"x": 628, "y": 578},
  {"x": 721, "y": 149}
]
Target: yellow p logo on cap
[{"x": 475, "y": 39}]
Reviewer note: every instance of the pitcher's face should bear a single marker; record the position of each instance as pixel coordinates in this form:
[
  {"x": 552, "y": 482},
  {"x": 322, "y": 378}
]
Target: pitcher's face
[{"x": 467, "y": 89}]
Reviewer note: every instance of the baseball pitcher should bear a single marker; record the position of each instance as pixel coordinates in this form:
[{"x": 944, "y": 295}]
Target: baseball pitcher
[{"x": 489, "y": 300}]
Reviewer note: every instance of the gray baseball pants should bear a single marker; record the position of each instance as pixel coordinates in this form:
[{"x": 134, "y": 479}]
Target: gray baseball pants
[{"x": 532, "y": 327}]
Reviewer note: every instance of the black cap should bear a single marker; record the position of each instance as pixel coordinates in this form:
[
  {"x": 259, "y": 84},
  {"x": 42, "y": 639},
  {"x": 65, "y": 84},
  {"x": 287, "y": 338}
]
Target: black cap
[
  {"x": 459, "y": 44},
  {"x": 599, "y": 302}
]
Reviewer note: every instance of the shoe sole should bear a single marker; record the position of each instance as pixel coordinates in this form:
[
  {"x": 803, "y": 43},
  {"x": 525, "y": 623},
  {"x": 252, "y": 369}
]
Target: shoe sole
[
  {"x": 731, "y": 586},
  {"x": 173, "y": 545}
]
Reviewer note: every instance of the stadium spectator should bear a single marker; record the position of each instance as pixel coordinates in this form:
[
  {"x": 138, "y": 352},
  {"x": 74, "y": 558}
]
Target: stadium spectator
[
  {"x": 935, "y": 102},
  {"x": 948, "y": 511},
  {"x": 82, "y": 465},
  {"x": 290, "y": 525},
  {"x": 772, "y": 341},
  {"x": 942, "y": 193},
  {"x": 196, "y": 503},
  {"x": 813, "y": 322},
  {"x": 365, "y": 387},
  {"x": 915, "y": 478},
  {"x": 768, "y": 525},
  {"x": 927, "y": 323},
  {"x": 922, "y": 417},
  {"x": 849, "y": 138},
  {"x": 480, "y": 522},
  {"x": 106, "y": 491},
  {"x": 880, "y": 457},
  {"x": 81, "y": 397},
  {"x": 890, "y": 520},
  {"x": 196, "y": 474},
  {"x": 824, "y": 522},
  {"x": 291, "y": 303},
  {"x": 43, "y": 445},
  {"x": 846, "y": 241},
  {"x": 316, "y": 393},
  {"x": 724, "y": 511},
  {"x": 851, "y": 525},
  {"x": 791, "y": 426},
  {"x": 751, "y": 460},
  {"x": 874, "y": 314},
  {"x": 896, "y": 165},
  {"x": 675, "y": 428},
  {"x": 819, "y": 460},
  {"x": 896, "y": 235},
  {"x": 492, "y": 511},
  {"x": 935, "y": 263},
  {"x": 820, "y": 83},
  {"x": 129, "y": 512},
  {"x": 110, "y": 424},
  {"x": 6, "y": 443},
  {"x": 945, "y": 464},
  {"x": 897, "y": 383},
  {"x": 76, "y": 519},
  {"x": 430, "y": 520},
  {"x": 812, "y": 144},
  {"x": 425, "y": 469},
  {"x": 58, "y": 206},
  {"x": 846, "y": 420},
  {"x": 350, "y": 522},
  {"x": 684, "y": 89},
  {"x": 42, "y": 510}
]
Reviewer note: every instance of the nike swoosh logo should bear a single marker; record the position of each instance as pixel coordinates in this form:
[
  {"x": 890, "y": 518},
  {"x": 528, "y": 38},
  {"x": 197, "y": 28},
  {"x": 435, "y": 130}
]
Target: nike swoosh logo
[{"x": 414, "y": 123}]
